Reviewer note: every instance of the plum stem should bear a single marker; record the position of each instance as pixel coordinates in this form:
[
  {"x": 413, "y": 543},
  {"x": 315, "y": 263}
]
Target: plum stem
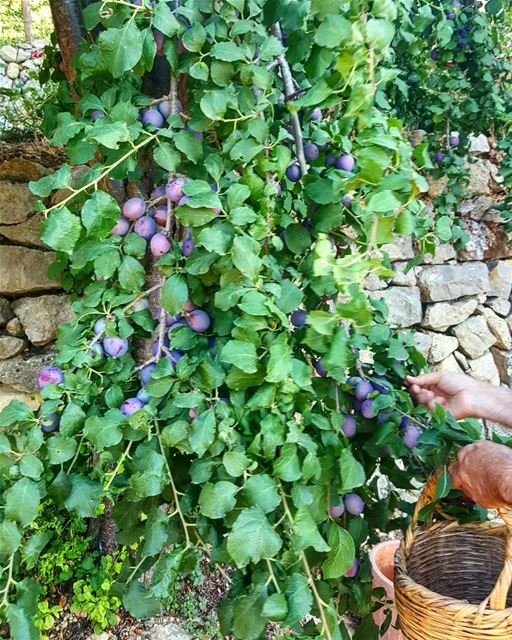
[
  {"x": 289, "y": 90},
  {"x": 10, "y": 582}
]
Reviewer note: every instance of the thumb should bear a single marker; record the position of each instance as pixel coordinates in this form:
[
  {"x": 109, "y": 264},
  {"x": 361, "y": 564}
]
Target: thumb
[{"x": 455, "y": 476}]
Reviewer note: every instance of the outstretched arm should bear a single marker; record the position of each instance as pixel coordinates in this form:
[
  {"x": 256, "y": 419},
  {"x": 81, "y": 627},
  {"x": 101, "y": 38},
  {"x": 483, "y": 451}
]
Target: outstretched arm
[{"x": 463, "y": 396}]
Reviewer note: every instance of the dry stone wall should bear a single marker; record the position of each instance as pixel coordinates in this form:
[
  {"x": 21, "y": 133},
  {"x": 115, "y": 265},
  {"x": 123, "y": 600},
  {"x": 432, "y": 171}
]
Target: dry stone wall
[{"x": 18, "y": 61}]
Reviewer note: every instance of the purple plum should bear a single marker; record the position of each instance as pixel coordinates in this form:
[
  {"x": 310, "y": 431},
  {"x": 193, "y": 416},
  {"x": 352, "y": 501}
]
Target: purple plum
[
  {"x": 454, "y": 140},
  {"x": 174, "y": 356},
  {"x": 131, "y": 406},
  {"x": 345, "y": 162},
  {"x": 293, "y": 173},
  {"x": 153, "y": 117},
  {"x": 349, "y": 426},
  {"x": 354, "y": 504},
  {"x": 330, "y": 160},
  {"x": 198, "y": 320},
  {"x": 143, "y": 395},
  {"x": 96, "y": 353},
  {"x": 450, "y": 15},
  {"x": 134, "y": 208},
  {"x": 353, "y": 570},
  {"x": 439, "y": 157},
  {"x": 363, "y": 389},
  {"x": 411, "y": 436},
  {"x": 367, "y": 409},
  {"x": 174, "y": 189},
  {"x": 99, "y": 326},
  {"x": 187, "y": 246},
  {"x": 183, "y": 200},
  {"x": 115, "y": 347},
  {"x": 404, "y": 422},
  {"x": 337, "y": 510},
  {"x": 165, "y": 108},
  {"x": 145, "y": 227},
  {"x": 50, "y": 374},
  {"x": 193, "y": 413},
  {"x": 189, "y": 306},
  {"x": 299, "y": 318},
  {"x": 159, "y": 244},
  {"x": 346, "y": 201},
  {"x": 96, "y": 114},
  {"x": 121, "y": 227},
  {"x": 145, "y": 373},
  {"x": 316, "y": 114},
  {"x": 50, "y": 423},
  {"x": 160, "y": 215},
  {"x": 435, "y": 54},
  {"x": 319, "y": 369},
  {"x": 197, "y": 134},
  {"x": 383, "y": 416},
  {"x": 158, "y": 192},
  {"x": 311, "y": 152}
]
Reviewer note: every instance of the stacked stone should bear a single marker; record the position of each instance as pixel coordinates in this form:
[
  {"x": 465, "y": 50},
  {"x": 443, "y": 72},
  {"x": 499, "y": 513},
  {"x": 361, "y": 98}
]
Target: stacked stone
[
  {"x": 31, "y": 303},
  {"x": 17, "y": 61}
]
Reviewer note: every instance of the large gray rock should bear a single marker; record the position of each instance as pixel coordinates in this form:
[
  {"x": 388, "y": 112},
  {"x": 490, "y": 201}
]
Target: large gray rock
[
  {"x": 482, "y": 175},
  {"x": 8, "y": 53},
  {"x": 16, "y": 202},
  {"x": 24, "y": 270},
  {"x": 423, "y": 342},
  {"x": 21, "y": 372},
  {"x": 6, "y": 312},
  {"x": 404, "y": 305},
  {"x": 500, "y": 279},
  {"x": 22, "y": 55},
  {"x": 499, "y": 306},
  {"x": 442, "y": 346},
  {"x": 503, "y": 362},
  {"x": 449, "y": 365},
  {"x": 12, "y": 71},
  {"x": 400, "y": 249},
  {"x": 11, "y": 346},
  {"x": 403, "y": 279},
  {"x": 15, "y": 328},
  {"x": 477, "y": 208},
  {"x": 41, "y": 316},
  {"x": 8, "y": 394},
  {"x": 449, "y": 282},
  {"x": 441, "y": 315},
  {"x": 479, "y": 144},
  {"x": 474, "y": 336},
  {"x": 26, "y": 233},
  {"x": 443, "y": 254},
  {"x": 484, "y": 368},
  {"x": 499, "y": 328},
  {"x": 374, "y": 283}
]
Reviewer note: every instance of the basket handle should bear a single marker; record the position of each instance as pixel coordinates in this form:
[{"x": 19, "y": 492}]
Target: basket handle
[{"x": 498, "y": 598}]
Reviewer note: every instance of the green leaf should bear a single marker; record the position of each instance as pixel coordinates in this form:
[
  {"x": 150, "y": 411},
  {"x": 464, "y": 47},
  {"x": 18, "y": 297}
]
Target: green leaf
[
  {"x": 21, "y": 616},
  {"x": 241, "y": 354},
  {"x": 10, "y": 538},
  {"x": 31, "y": 467},
  {"x": 174, "y": 294},
  {"x": 443, "y": 486},
  {"x": 227, "y": 51},
  {"x": 100, "y": 214},
  {"x": 261, "y": 491},
  {"x": 300, "y": 598},
  {"x": 248, "y": 622},
  {"x": 166, "y": 156},
  {"x": 192, "y": 148},
  {"x": 383, "y": 202},
  {"x": 61, "y": 230},
  {"x": 379, "y": 33},
  {"x": 202, "y": 433},
  {"x": 297, "y": 239},
  {"x": 217, "y": 500},
  {"x": 164, "y": 20},
  {"x": 214, "y": 105},
  {"x": 194, "y": 217},
  {"x": 352, "y": 472},
  {"x": 15, "y": 412},
  {"x": 139, "y": 603},
  {"x": 217, "y": 238},
  {"x": 67, "y": 128},
  {"x": 245, "y": 257},
  {"x": 199, "y": 71},
  {"x": 110, "y": 134},
  {"x": 131, "y": 274},
  {"x": 72, "y": 420},
  {"x": 156, "y": 533},
  {"x": 85, "y": 496},
  {"x": 315, "y": 96},
  {"x": 57, "y": 180},
  {"x": 33, "y": 546},
  {"x": 252, "y": 538},
  {"x": 342, "y": 553},
  {"x": 287, "y": 466},
  {"x": 493, "y": 7},
  {"x": 22, "y": 502},
  {"x": 104, "y": 431},
  {"x": 305, "y": 532},
  {"x": 194, "y": 38},
  {"x": 235, "y": 463},
  {"x": 280, "y": 363},
  {"x": 275, "y": 607},
  {"x": 120, "y": 48},
  {"x": 334, "y": 30},
  {"x": 61, "y": 449}
]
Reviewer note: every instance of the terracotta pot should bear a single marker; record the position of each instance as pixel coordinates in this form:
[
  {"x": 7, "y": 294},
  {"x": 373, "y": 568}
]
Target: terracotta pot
[{"x": 382, "y": 558}]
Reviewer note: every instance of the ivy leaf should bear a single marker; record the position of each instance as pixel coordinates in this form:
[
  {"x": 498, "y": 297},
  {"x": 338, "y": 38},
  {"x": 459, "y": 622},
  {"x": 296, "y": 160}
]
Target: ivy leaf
[
  {"x": 61, "y": 230},
  {"x": 241, "y": 354},
  {"x": 99, "y": 214},
  {"x": 15, "y": 412},
  {"x": 156, "y": 533},
  {"x": 22, "y": 502},
  {"x": 217, "y": 500},
  {"x": 305, "y": 532},
  {"x": 120, "y": 48},
  {"x": 352, "y": 472},
  {"x": 252, "y": 538},
  {"x": 174, "y": 294},
  {"x": 342, "y": 553},
  {"x": 85, "y": 496},
  {"x": 104, "y": 431},
  {"x": 261, "y": 491}
]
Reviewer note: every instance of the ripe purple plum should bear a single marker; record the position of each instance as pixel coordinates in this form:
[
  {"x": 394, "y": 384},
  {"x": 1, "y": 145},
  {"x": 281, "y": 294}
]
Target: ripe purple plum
[
  {"x": 193, "y": 413},
  {"x": 197, "y": 134},
  {"x": 404, "y": 423},
  {"x": 198, "y": 320},
  {"x": 174, "y": 189},
  {"x": 299, "y": 318},
  {"x": 145, "y": 373},
  {"x": 293, "y": 173},
  {"x": 50, "y": 423},
  {"x": 454, "y": 140},
  {"x": 145, "y": 227},
  {"x": 99, "y": 326},
  {"x": 450, "y": 15},
  {"x": 159, "y": 244},
  {"x": 131, "y": 406},
  {"x": 153, "y": 117},
  {"x": 189, "y": 306},
  {"x": 121, "y": 227},
  {"x": 411, "y": 436},
  {"x": 319, "y": 369},
  {"x": 316, "y": 114},
  {"x": 96, "y": 353},
  {"x": 165, "y": 108},
  {"x": 363, "y": 389},
  {"x": 337, "y": 510},
  {"x": 96, "y": 114},
  {"x": 311, "y": 152},
  {"x": 435, "y": 54},
  {"x": 349, "y": 426},
  {"x": 439, "y": 157},
  {"x": 330, "y": 160},
  {"x": 115, "y": 347},
  {"x": 346, "y": 201},
  {"x": 346, "y": 162},
  {"x": 174, "y": 356},
  {"x": 354, "y": 504},
  {"x": 160, "y": 215},
  {"x": 134, "y": 208},
  {"x": 187, "y": 246},
  {"x": 50, "y": 374},
  {"x": 154, "y": 348},
  {"x": 159, "y": 40},
  {"x": 367, "y": 409},
  {"x": 143, "y": 395},
  {"x": 353, "y": 570},
  {"x": 140, "y": 305},
  {"x": 383, "y": 416},
  {"x": 158, "y": 192}
]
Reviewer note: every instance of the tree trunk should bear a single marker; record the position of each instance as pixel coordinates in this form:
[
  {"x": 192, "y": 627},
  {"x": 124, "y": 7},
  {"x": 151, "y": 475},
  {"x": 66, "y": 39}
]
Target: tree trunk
[{"x": 27, "y": 20}]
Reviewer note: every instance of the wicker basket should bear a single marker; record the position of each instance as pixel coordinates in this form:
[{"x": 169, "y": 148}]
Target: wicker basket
[{"x": 452, "y": 581}]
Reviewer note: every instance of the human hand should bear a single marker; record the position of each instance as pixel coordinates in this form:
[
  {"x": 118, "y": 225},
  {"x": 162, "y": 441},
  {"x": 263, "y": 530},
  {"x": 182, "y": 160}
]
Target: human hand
[
  {"x": 455, "y": 392},
  {"x": 483, "y": 472}
]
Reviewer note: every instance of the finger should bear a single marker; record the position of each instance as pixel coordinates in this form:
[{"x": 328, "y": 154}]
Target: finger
[
  {"x": 424, "y": 396},
  {"x": 425, "y": 379}
]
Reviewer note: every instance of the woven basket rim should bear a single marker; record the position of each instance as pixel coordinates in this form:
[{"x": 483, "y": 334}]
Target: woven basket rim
[{"x": 404, "y": 582}]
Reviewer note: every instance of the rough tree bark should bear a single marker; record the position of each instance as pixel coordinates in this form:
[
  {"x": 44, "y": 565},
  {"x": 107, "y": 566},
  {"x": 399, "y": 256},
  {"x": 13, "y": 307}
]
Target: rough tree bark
[{"x": 27, "y": 20}]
